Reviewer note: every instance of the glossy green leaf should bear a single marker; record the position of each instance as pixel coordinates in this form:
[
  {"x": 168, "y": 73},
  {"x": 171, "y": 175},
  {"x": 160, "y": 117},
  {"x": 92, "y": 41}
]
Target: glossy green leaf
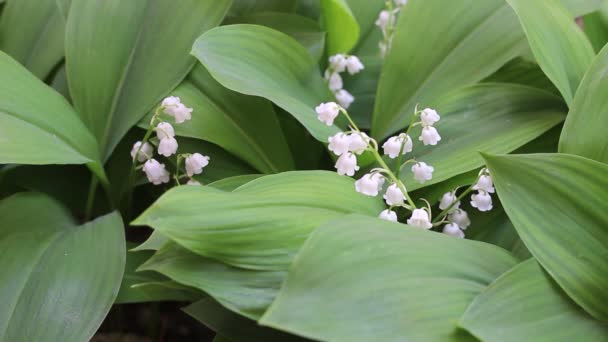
[
  {"x": 247, "y": 292},
  {"x": 63, "y": 277},
  {"x": 493, "y": 118},
  {"x": 225, "y": 118},
  {"x": 595, "y": 26},
  {"x": 521, "y": 71},
  {"x": 578, "y": 8},
  {"x": 260, "y": 61},
  {"x": 32, "y": 32},
  {"x": 305, "y": 30},
  {"x": 231, "y": 183},
  {"x": 584, "y": 132},
  {"x": 341, "y": 26},
  {"x": 37, "y": 125},
  {"x": 246, "y": 7},
  {"x": 524, "y": 304},
  {"x": 385, "y": 282},
  {"x": 557, "y": 203},
  {"x": 453, "y": 54},
  {"x": 260, "y": 225},
  {"x": 560, "y": 47},
  {"x": 64, "y": 7},
  {"x": 139, "y": 54}
]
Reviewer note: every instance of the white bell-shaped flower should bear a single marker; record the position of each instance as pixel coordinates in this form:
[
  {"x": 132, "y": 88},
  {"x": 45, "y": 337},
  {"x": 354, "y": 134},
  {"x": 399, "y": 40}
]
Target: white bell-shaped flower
[
  {"x": 452, "y": 229},
  {"x": 446, "y": 201},
  {"x": 422, "y": 172},
  {"x": 400, "y": 3},
  {"x": 171, "y": 101},
  {"x": 164, "y": 130},
  {"x": 482, "y": 201},
  {"x": 156, "y": 172},
  {"x": 145, "y": 152},
  {"x": 429, "y": 117},
  {"x": 388, "y": 215},
  {"x": 429, "y": 136},
  {"x": 338, "y": 62},
  {"x": 420, "y": 219},
  {"x": 167, "y": 147},
  {"x": 394, "y": 195},
  {"x": 392, "y": 146},
  {"x": 335, "y": 82},
  {"x": 354, "y": 65},
  {"x": 344, "y": 98},
  {"x": 347, "y": 164},
  {"x": 193, "y": 181},
  {"x": 359, "y": 142},
  {"x": 195, "y": 164},
  {"x": 461, "y": 218},
  {"x": 370, "y": 184},
  {"x": 384, "y": 18},
  {"x": 180, "y": 112},
  {"x": 484, "y": 183},
  {"x": 327, "y": 112},
  {"x": 338, "y": 143}
]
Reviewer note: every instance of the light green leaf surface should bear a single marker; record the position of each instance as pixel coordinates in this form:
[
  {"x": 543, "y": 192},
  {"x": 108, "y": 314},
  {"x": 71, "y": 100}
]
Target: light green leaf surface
[
  {"x": 584, "y": 132},
  {"x": 63, "y": 277},
  {"x": 37, "y": 125},
  {"x": 521, "y": 71},
  {"x": 557, "y": 203},
  {"x": 524, "y": 304},
  {"x": 256, "y": 60},
  {"x": 64, "y": 7},
  {"x": 246, "y": 7},
  {"x": 32, "y": 32},
  {"x": 231, "y": 183},
  {"x": 260, "y": 225},
  {"x": 245, "y": 126},
  {"x": 385, "y": 282},
  {"x": 493, "y": 118},
  {"x": 123, "y": 57},
  {"x": 341, "y": 26},
  {"x": 560, "y": 47},
  {"x": 305, "y": 30},
  {"x": 595, "y": 26},
  {"x": 426, "y": 63}
]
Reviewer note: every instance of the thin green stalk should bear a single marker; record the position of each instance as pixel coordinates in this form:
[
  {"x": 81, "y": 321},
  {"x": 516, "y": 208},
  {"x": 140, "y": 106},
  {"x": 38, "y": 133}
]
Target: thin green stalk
[
  {"x": 442, "y": 215},
  {"x": 91, "y": 198}
]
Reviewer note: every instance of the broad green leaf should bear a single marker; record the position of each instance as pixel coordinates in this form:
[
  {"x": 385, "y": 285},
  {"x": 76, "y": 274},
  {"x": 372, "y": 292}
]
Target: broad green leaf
[
  {"x": 246, "y": 7},
  {"x": 64, "y": 7},
  {"x": 385, "y": 282},
  {"x": 305, "y": 30},
  {"x": 560, "y": 47},
  {"x": 454, "y": 53},
  {"x": 521, "y": 71},
  {"x": 37, "y": 125},
  {"x": 256, "y": 60},
  {"x": 32, "y": 32},
  {"x": 578, "y": 8},
  {"x": 231, "y": 183},
  {"x": 493, "y": 118},
  {"x": 247, "y": 292},
  {"x": 63, "y": 277},
  {"x": 139, "y": 53},
  {"x": 260, "y": 225},
  {"x": 584, "y": 131},
  {"x": 524, "y": 304},
  {"x": 595, "y": 26},
  {"x": 557, "y": 203},
  {"x": 225, "y": 118},
  {"x": 232, "y": 326},
  {"x": 341, "y": 26}
]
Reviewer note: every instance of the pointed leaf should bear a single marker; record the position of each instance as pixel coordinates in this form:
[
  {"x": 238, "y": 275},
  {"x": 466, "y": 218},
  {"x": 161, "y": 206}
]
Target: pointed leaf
[
  {"x": 557, "y": 203},
  {"x": 341, "y": 26}
]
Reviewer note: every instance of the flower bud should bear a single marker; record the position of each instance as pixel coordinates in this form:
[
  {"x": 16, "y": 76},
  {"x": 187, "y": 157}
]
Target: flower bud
[
  {"x": 195, "y": 164},
  {"x": 388, "y": 215},
  {"x": 394, "y": 195},
  {"x": 354, "y": 65},
  {"x": 167, "y": 147},
  {"x": 347, "y": 164},
  {"x": 145, "y": 152},
  {"x": 429, "y": 117},
  {"x": 370, "y": 184},
  {"x": 420, "y": 219},
  {"x": 338, "y": 143},
  {"x": 482, "y": 201},
  {"x": 156, "y": 172},
  {"x": 422, "y": 172},
  {"x": 327, "y": 112},
  {"x": 429, "y": 136},
  {"x": 452, "y": 229}
]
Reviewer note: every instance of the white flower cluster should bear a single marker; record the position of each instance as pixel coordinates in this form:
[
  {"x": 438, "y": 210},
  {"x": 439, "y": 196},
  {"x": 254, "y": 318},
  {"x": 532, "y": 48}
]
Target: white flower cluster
[
  {"x": 386, "y": 22},
  {"x": 143, "y": 152},
  {"x": 347, "y": 145},
  {"x": 338, "y": 64}
]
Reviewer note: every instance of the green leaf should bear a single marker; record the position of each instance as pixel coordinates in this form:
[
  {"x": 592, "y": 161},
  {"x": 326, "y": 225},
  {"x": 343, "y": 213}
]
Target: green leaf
[
  {"x": 493, "y": 118},
  {"x": 247, "y": 292},
  {"x": 260, "y": 225},
  {"x": 341, "y": 26},
  {"x": 557, "y": 204},
  {"x": 584, "y": 131},
  {"x": 521, "y": 71},
  {"x": 139, "y": 54},
  {"x": 224, "y": 118},
  {"x": 63, "y": 277},
  {"x": 560, "y": 47},
  {"x": 231, "y": 183},
  {"x": 524, "y": 304},
  {"x": 260, "y": 61},
  {"x": 232, "y": 326},
  {"x": 453, "y": 54},
  {"x": 64, "y": 7},
  {"x": 385, "y": 281},
  {"x": 578, "y": 8},
  {"x": 37, "y": 125},
  {"x": 305, "y": 30},
  {"x": 246, "y": 7},
  {"x": 32, "y": 32},
  {"x": 595, "y": 26}
]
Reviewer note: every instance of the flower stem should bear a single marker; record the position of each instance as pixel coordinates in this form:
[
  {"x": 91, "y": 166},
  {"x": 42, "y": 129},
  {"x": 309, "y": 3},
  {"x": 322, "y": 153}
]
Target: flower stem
[
  {"x": 91, "y": 198},
  {"x": 442, "y": 215}
]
